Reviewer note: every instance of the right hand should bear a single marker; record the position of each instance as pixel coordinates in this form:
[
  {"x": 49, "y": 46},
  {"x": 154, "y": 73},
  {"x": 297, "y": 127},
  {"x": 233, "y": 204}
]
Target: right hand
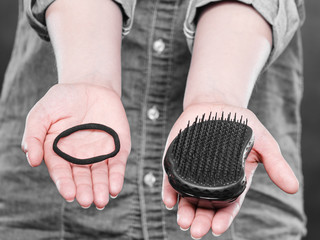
[
  {"x": 67, "y": 105},
  {"x": 265, "y": 150}
]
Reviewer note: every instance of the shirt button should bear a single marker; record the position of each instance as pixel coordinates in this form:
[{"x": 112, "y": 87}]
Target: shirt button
[
  {"x": 149, "y": 179},
  {"x": 153, "y": 113},
  {"x": 159, "y": 46}
]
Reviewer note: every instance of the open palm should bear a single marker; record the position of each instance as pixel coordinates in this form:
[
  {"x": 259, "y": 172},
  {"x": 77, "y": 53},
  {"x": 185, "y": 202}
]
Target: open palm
[
  {"x": 265, "y": 150},
  {"x": 67, "y": 105}
]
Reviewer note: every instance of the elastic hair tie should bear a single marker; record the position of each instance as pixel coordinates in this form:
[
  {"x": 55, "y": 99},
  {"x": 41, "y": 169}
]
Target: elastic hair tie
[{"x": 92, "y": 160}]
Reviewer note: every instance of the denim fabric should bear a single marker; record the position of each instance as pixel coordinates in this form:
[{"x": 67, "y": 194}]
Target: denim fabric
[
  {"x": 155, "y": 60},
  {"x": 35, "y": 10},
  {"x": 285, "y": 17}
]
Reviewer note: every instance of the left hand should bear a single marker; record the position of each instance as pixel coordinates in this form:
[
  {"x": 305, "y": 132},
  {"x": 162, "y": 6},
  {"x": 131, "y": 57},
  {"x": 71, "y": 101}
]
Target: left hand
[
  {"x": 265, "y": 150},
  {"x": 68, "y": 105}
]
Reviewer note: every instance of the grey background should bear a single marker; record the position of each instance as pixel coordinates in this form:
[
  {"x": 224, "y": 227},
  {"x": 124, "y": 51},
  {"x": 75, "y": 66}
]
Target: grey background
[{"x": 310, "y": 107}]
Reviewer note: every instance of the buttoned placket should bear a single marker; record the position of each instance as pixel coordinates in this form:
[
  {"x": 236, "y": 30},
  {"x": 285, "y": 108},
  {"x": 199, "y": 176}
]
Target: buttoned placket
[
  {"x": 153, "y": 113},
  {"x": 155, "y": 105},
  {"x": 159, "y": 46}
]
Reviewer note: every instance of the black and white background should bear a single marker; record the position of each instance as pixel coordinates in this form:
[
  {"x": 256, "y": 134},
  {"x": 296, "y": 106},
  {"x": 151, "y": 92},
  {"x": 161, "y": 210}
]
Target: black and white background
[{"x": 310, "y": 106}]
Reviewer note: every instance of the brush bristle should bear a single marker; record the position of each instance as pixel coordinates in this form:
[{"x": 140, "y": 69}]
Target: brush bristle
[{"x": 209, "y": 152}]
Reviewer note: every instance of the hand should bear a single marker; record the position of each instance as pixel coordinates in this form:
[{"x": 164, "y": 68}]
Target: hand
[
  {"x": 67, "y": 105},
  {"x": 265, "y": 150}
]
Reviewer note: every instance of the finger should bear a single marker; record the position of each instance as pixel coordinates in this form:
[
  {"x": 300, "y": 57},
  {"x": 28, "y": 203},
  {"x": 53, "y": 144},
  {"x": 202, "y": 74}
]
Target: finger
[
  {"x": 61, "y": 174},
  {"x": 36, "y": 128},
  {"x": 99, "y": 173},
  {"x": 117, "y": 167},
  {"x": 82, "y": 178},
  {"x": 169, "y": 195},
  {"x": 224, "y": 216},
  {"x": 276, "y": 166},
  {"x": 185, "y": 215},
  {"x": 201, "y": 223}
]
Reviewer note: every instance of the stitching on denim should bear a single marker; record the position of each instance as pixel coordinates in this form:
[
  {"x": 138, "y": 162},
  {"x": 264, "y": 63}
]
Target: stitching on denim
[
  {"x": 188, "y": 32},
  {"x": 167, "y": 87},
  {"x": 232, "y": 231},
  {"x": 126, "y": 29},
  {"x": 130, "y": 217},
  {"x": 32, "y": 18},
  {"x": 137, "y": 179},
  {"x": 143, "y": 120},
  {"x": 62, "y": 230}
]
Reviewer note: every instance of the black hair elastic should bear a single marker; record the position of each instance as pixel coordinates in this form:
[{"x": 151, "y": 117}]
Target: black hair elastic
[{"x": 85, "y": 127}]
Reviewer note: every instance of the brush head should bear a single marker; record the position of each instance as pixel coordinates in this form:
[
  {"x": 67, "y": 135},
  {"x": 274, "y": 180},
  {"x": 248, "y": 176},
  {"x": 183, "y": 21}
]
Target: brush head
[{"x": 206, "y": 159}]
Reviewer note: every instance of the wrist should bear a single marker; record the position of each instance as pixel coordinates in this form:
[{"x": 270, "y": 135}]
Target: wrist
[
  {"x": 230, "y": 96},
  {"x": 96, "y": 78},
  {"x": 223, "y": 70},
  {"x": 86, "y": 38}
]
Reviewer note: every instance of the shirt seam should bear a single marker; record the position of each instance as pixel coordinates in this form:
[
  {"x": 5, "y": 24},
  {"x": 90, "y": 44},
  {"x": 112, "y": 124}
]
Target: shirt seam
[
  {"x": 167, "y": 97},
  {"x": 62, "y": 211},
  {"x": 144, "y": 111}
]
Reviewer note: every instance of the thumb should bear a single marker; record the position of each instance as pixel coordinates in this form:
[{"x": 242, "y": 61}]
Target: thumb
[
  {"x": 276, "y": 166},
  {"x": 36, "y": 128}
]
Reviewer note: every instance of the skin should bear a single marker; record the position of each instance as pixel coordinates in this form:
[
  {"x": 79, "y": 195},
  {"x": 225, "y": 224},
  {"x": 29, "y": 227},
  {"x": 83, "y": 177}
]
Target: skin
[
  {"x": 89, "y": 89},
  {"x": 67, "y": 105},
  {"x": 265, "y": 151},
  {"x": 221, "y": 78},
  {"x": 232, "y": 44}
]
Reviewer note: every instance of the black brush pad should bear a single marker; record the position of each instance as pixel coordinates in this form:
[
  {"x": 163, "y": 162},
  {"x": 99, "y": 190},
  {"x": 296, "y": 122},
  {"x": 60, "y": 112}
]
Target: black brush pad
[
  {"x": 92, "y": 160},
  {"x": 206, "y": 159}
]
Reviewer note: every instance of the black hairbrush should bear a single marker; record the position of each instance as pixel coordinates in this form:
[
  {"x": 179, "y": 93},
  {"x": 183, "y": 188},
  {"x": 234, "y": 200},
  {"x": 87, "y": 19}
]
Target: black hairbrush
[{"x": 206, "y": 160}]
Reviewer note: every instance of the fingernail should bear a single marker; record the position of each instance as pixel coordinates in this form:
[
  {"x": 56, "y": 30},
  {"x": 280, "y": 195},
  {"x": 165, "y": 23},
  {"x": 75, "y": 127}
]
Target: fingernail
[
  {"x": 100, "y": 209},
  {"x": 58, "y": 185},
  {"x": 113, "y": 197},
  {"x": 27, "y": 156},
  {"x": 86, "y": 207},
  {"x": 194, "y": 237},
  {"x": 216, "y": 235},
  {"x": 184, "y": 229},
  {"x": 24, "y": 147},
  {"x": 169, "y": 208},
  {"x": 70, "y": 201}
]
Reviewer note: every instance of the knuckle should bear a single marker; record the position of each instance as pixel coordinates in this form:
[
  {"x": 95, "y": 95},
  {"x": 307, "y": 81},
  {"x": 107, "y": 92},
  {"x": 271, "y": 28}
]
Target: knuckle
[{"x": 84, "y": 185}]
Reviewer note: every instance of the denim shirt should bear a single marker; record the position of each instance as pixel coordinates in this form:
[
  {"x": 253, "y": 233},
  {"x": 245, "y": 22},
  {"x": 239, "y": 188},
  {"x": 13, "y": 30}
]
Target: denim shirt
[{"x": 155, "y": 61}]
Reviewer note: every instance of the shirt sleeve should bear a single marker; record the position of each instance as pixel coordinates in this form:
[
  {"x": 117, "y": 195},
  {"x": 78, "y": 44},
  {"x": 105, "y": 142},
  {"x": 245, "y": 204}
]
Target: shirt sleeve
[
  {"x": 35, "y": 10},
  {"x": 284, "y": 16}
]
